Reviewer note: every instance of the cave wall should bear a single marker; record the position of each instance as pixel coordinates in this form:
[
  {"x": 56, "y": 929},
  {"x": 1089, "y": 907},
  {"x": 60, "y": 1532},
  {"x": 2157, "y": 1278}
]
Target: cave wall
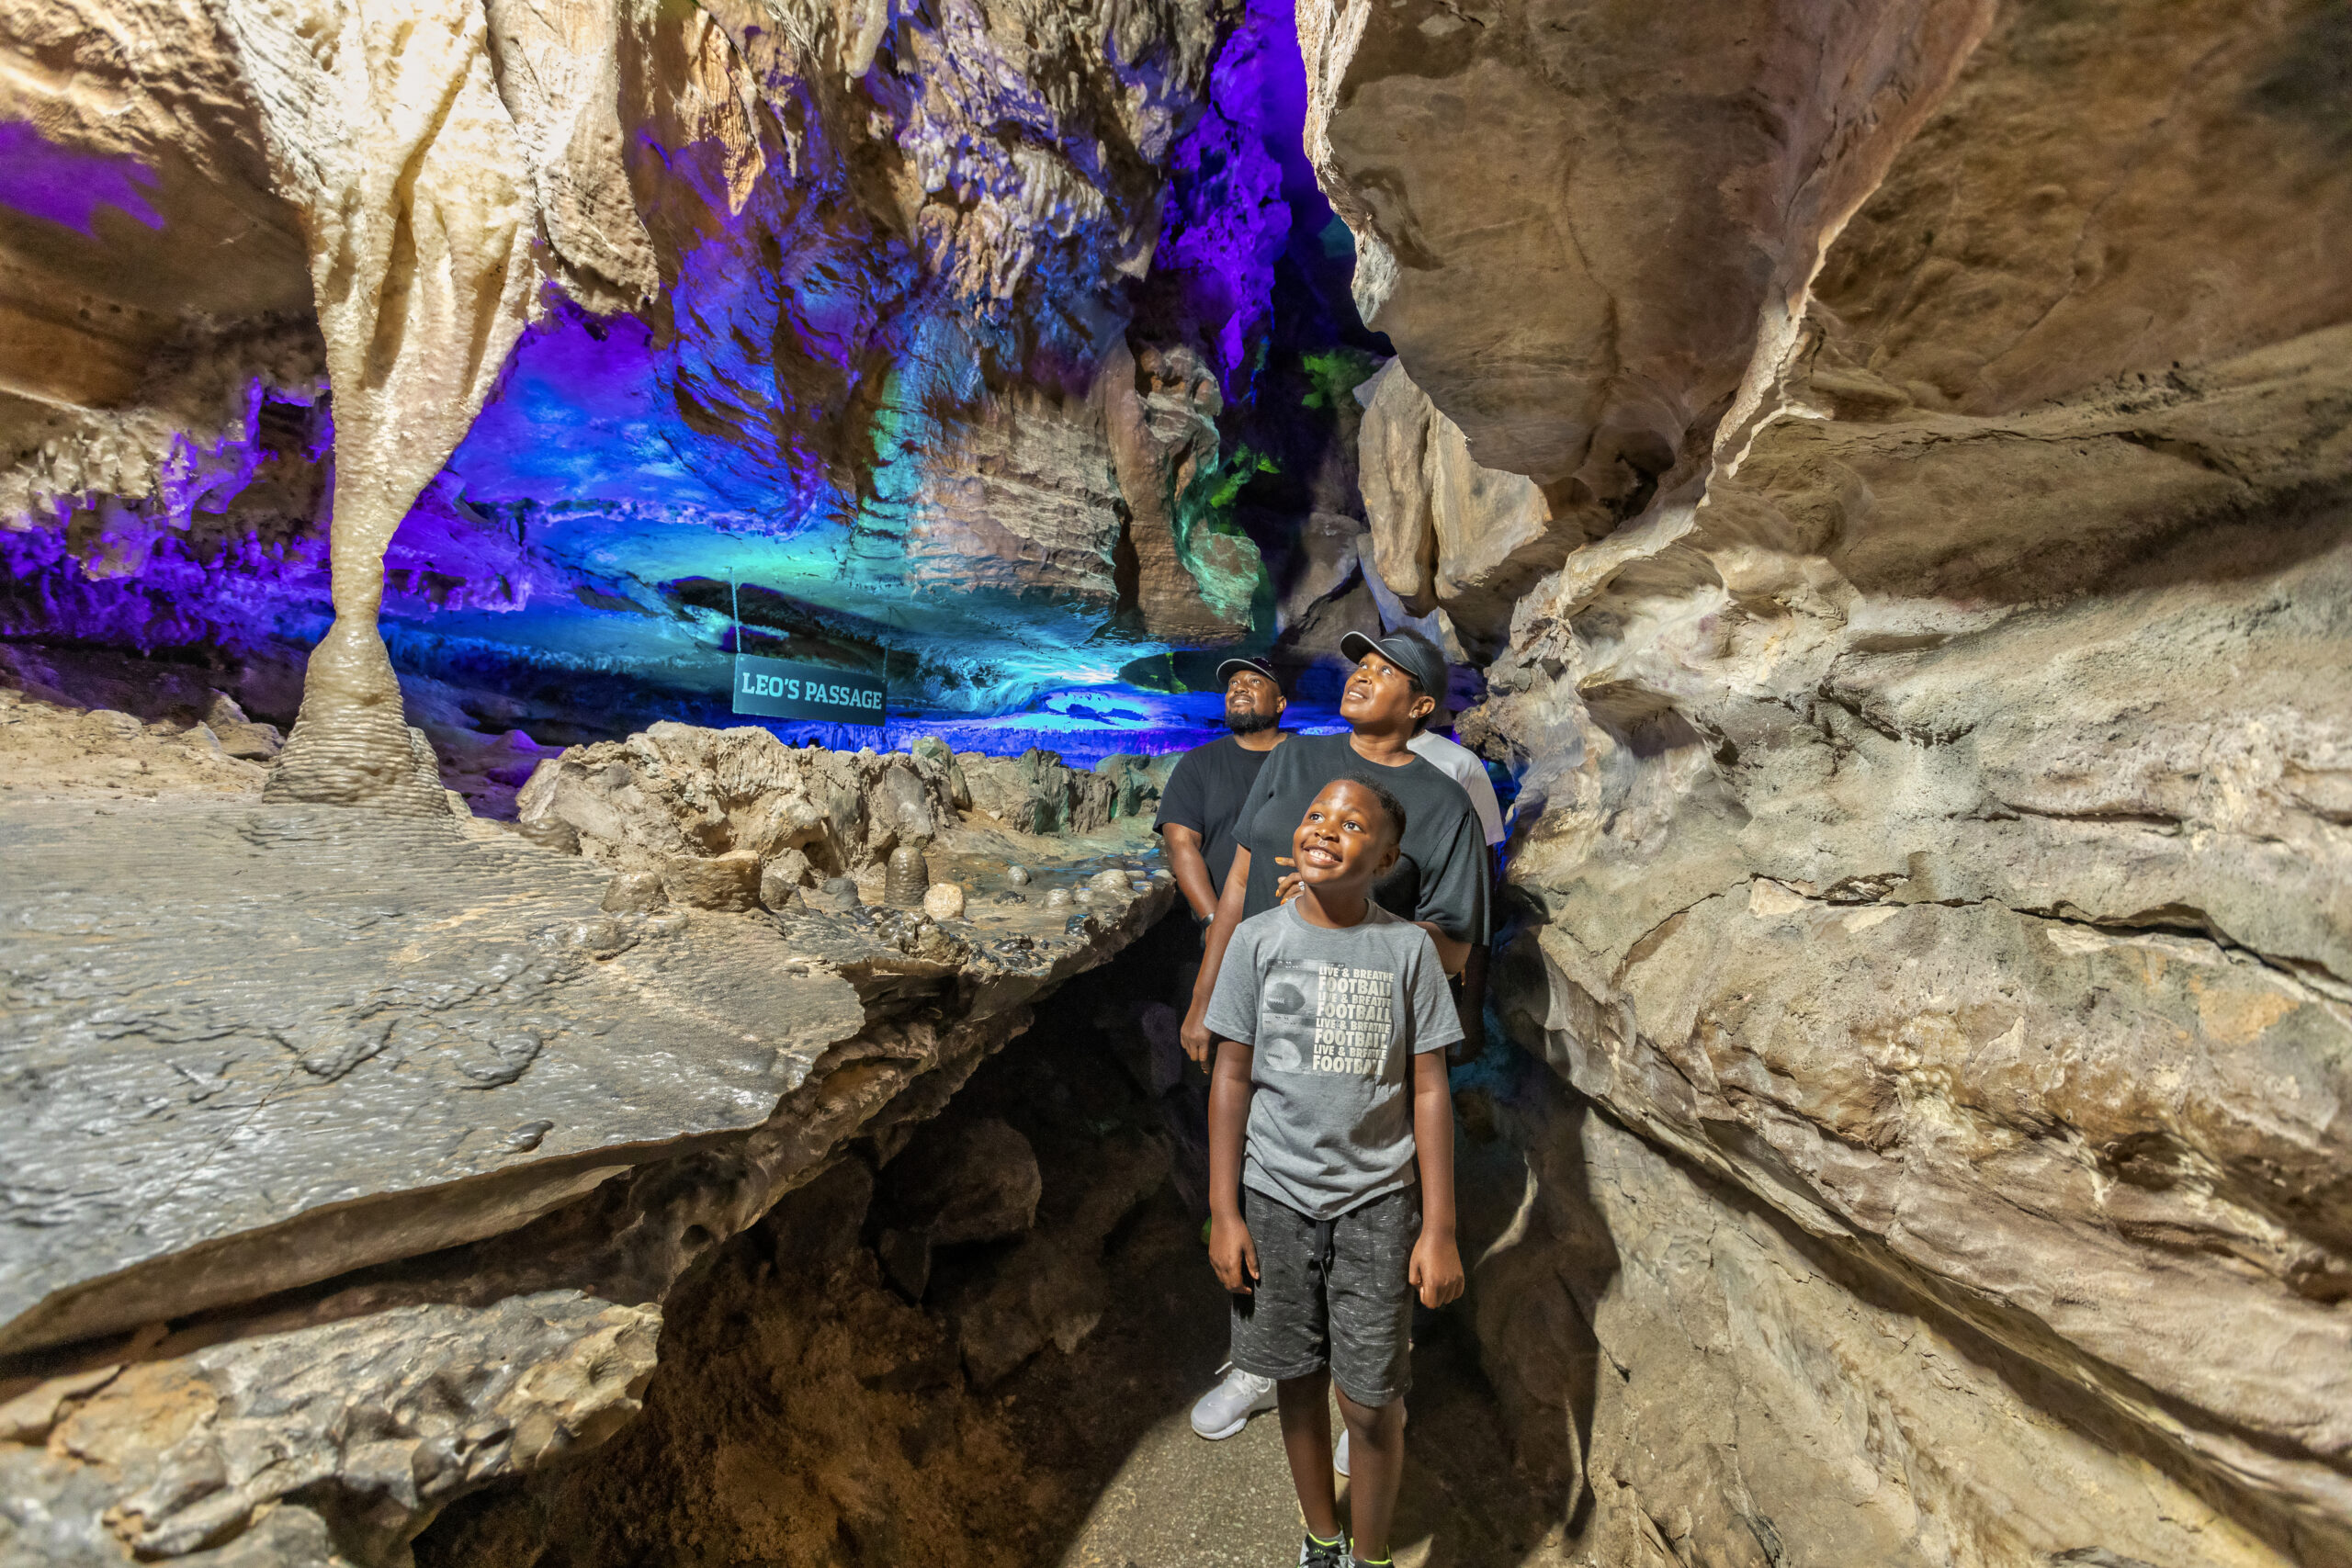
[{"x": 1935, "y": 726}]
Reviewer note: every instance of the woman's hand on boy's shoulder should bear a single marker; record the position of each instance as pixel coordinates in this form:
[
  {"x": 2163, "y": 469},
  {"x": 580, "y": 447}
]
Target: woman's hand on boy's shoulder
[
  {"x": 1234, "y": 1254},
  {"x": 1436, "y": 1269}
]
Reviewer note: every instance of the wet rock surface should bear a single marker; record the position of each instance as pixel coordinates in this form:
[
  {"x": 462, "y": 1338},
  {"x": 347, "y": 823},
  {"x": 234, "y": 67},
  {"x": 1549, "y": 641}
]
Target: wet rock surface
[
  {"x": 484, "y": 1115},
  {"x": 462, "y": 992}
]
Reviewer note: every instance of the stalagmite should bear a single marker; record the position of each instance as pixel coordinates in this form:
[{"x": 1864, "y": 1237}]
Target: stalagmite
[{"x": 386, "y": 129}]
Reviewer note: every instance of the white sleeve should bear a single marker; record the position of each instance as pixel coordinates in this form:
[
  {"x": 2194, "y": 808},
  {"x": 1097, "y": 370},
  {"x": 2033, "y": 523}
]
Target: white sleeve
[
  {"x": 1470, "y": 773},
  {"x": 1481, "y": 790}
]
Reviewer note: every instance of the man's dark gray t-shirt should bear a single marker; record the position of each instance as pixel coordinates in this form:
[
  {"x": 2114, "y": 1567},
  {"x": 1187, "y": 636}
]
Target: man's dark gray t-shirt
[
  {"x": 1332, "y": 1018},
  {"x": 1205, "y": 792}
]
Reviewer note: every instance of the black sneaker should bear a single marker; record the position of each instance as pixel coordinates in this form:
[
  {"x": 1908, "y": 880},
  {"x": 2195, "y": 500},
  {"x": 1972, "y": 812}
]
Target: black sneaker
[{"x": 1314, "y": 1554}]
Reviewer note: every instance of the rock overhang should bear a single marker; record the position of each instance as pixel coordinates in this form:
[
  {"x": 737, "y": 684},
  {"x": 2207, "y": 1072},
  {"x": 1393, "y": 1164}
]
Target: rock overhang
[{"x": 457, "y": 1033}]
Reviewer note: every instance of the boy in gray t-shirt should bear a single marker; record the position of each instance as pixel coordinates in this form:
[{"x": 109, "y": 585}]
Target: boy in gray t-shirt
[{"x": 1331, "y": 1158}]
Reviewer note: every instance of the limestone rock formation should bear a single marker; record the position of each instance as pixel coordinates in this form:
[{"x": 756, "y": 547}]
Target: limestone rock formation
[
  {"x": 533, "y": 256},
  {"x": 1890, "y": 465},
  {"x": 678, "y": 800},
  {"x": 387, "y": 131},
  {"x": 1447, "y": 533},
  {"x": 1035, "y": 793},
  {"x": 1052, "y": 1289},
  {"x": 399, "y": 1218},
  {"x": 1933, "y": 746},
  {"x": 1190, "y": 584},
  {"x": 1589, "y": 231},
  {"x": 53, "y": 749},
  {"x": 197, "y": 1452}
]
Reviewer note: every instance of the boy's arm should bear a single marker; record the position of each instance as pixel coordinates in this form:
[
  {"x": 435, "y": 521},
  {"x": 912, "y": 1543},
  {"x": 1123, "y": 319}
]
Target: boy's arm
[
  {"x": 1231, "y": 1252},
  {"x": 1436, "y": 1270}
]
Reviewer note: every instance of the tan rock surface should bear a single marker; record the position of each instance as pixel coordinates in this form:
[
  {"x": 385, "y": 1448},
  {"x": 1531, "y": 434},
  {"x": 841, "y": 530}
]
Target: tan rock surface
[
  {"x": 1932, "y": 836},
  {"x": 401, "y": 1217},
  {"x": 51, "y": 751},
  {"x": 163, "y": 213},
  {"x": 1446, "y": 532},
  {"x": 1589, "y": 230},
  {"x": 1730, "y": 1389}
]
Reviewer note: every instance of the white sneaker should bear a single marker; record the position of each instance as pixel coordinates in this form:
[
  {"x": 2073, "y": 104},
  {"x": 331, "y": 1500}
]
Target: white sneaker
[{"x": 1226, "y": 1408}]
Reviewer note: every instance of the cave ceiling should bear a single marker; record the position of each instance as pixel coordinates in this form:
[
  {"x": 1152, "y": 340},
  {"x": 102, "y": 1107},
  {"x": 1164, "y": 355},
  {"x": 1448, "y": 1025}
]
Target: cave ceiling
[{"x": 988, "y": 346}]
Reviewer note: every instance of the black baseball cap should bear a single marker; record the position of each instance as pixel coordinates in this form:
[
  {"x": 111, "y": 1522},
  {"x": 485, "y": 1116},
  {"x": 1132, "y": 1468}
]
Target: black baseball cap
[
  {"x": 1414, "y": 654},
  {"x": 1255, "y": 664}
]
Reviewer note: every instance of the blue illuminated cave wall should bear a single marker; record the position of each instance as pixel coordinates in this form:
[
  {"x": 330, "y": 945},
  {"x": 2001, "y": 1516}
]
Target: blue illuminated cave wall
[{"x": 886, "y": 466}]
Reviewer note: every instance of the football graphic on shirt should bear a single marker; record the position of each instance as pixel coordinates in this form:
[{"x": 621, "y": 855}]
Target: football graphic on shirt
[
  {"x": 1286, "y": 1016},
  {"x": 1315, "y": 1016}
]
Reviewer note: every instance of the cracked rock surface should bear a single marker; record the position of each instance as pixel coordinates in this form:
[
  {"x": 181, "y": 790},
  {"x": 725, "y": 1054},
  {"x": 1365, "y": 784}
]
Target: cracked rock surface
[{"x": 295, "y": 1252}]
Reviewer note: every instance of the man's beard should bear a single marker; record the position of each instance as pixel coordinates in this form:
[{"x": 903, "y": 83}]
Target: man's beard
[{"x": 1250, "y": 723}]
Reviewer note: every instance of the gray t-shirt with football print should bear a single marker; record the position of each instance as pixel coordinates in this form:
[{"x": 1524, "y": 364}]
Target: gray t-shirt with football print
[{"x": 1331, "y": 1018}]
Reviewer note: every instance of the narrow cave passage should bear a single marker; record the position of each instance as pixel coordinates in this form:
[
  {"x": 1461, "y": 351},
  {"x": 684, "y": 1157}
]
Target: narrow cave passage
[{"x": 817, "y": 1404}]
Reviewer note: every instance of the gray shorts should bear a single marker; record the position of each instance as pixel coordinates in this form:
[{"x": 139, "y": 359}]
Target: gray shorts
[{"x": 1331, "y": 1293}]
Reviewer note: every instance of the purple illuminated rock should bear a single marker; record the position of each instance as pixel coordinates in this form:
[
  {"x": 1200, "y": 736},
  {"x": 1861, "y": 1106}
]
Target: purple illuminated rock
[{"x": 923, "y": 380}]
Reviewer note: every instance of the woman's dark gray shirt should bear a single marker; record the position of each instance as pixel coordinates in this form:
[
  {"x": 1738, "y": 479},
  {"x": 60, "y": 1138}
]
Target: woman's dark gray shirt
[{"x": 1441, "y": 872}]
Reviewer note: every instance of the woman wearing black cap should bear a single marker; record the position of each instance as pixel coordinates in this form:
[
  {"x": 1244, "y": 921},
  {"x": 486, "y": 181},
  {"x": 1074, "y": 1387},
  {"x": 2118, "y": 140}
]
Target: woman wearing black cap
[{"x": 1439, "y": 881}]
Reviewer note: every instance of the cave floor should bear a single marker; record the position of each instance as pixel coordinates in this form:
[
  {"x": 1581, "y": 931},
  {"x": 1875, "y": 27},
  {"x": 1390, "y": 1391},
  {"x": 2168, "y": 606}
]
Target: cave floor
[
  {"x": 1132, "y": 1486},
  {"x": 1107, "y": 1428},
  {"x": 808, "y": 1415},
  {"x": 1177, "y": 1499}
]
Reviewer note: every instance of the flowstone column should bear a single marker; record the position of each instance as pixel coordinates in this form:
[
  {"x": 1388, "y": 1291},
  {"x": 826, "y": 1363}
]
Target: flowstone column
[{"x": 386, "y": 128}]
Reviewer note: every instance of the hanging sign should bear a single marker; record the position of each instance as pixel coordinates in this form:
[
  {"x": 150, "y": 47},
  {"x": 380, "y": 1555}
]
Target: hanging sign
[
  {"x": 780, "y": 688},
  {"x": 777, "y": 688}
]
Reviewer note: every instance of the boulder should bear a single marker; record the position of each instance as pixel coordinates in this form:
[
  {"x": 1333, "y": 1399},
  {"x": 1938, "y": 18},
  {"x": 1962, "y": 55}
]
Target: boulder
[
  {"x": 1137, "y": 782},
  {"x": 1036, "y": 792},
  {"x": 678, "y": 793},
  {"x": 782, "y": 878},
  {"x": 1052, "y": 1289},
  {"x": 634, "y": 892},
  {"x": 1445, "y": 532},
  {"x": 728, "y": 881}
]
